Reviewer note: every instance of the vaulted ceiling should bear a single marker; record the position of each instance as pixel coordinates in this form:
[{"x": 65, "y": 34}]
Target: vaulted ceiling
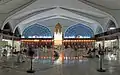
[
  {"x": 109, "y": 4},
  {"x": 7, "y": 6},
  {"x": 24, "y": 13}
]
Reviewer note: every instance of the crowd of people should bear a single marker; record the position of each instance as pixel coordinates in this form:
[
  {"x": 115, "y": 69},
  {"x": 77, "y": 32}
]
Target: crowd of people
[
  {"x": 21, "y": 55},
  {"x": 24, "y": 53}
]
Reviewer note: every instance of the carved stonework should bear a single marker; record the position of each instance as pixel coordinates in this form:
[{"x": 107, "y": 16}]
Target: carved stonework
[{"x": 58, "y": 28}]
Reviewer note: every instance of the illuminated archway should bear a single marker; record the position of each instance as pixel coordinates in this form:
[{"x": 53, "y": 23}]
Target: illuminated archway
[
  {"x": 78, "y": 30},
  {"x": 37, "y": 31}
]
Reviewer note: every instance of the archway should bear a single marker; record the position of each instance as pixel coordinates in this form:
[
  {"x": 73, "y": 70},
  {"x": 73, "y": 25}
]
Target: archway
[
  {"x": 37, "y": 31},
  {"x": 78, "y": 30},
  {"x": 7, "y": 29},
  {"x": 38, "y": 36},
  {"x": 111, "y": 25}
]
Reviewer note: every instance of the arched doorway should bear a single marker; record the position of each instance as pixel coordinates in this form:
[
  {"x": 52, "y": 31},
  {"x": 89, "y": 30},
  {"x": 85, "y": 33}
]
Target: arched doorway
[{"x": 79, "y": 38}]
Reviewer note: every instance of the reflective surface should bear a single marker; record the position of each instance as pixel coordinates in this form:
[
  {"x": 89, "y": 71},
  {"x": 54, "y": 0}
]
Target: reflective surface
[{"x": 70, "y": 66}]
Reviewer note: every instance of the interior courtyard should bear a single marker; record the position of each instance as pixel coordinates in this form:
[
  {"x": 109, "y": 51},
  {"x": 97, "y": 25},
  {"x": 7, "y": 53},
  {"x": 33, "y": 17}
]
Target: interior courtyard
[{"x": 59, "y": 37}]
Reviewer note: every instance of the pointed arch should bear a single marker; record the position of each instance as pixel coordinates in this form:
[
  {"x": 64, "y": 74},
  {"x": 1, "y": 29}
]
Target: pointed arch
[
  {"x": 78, "y": 30},
  {"x": 7, "y": 27},
  {"x": 38, "y": 31},
  {"x": 111, "y": 25}
]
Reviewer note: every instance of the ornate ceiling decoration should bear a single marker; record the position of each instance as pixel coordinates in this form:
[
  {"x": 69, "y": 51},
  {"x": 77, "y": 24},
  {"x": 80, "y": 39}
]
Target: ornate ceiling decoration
[
  {"x": 78, "y": 30},
  {"x": 37, "y": 30}
]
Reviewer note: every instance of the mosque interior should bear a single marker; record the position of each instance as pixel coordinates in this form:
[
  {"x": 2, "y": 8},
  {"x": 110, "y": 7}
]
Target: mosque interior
[{"x": 59, "y": 37}]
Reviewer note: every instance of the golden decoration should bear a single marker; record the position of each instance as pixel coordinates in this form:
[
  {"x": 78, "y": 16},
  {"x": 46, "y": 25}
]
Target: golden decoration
[{"x": 58, "y": 28}]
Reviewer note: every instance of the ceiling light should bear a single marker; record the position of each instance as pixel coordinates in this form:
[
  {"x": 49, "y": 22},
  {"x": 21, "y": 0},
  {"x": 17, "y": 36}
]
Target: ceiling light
[{"x": 111, "y": 28}]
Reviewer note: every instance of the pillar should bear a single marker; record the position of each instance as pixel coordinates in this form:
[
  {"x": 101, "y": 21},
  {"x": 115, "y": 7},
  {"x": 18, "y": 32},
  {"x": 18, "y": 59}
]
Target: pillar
[
  {"x": 12, "y": 45},
  {"x": 1, "y": 37},
  {"x": 118, "y": 39},
  {"x": 12, "y": 42},
  {"x": 118, "y": 53},
  {"x": 103, "y": 43}
]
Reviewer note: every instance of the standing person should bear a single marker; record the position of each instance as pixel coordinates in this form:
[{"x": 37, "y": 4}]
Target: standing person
[
  {"x": 5, "y": 52},
  {"x": 86, "y": 48},
  {"x": 75, "y": 51},
  {"x": 20, "y": 57},
  {"x": 31, "y": 54},
  {"x": 89, "y": 52},
  {"x": 25, "y": 52},
  {"x": 46, "y": 51},
  {"x": 100, "y": 50},
  {"x": 56, "y": 55},
  {"x": 94, "y": 50},
  {"x": 4, "y": 55}
]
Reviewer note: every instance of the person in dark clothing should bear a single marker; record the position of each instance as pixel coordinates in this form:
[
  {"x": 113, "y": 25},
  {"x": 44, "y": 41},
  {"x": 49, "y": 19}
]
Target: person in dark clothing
[
  {"x": 94, "y": 51},
  {"x": 24, "y": 50},
  {"x": 89, "y": 51},
  {"x": 56, "y": 55}
]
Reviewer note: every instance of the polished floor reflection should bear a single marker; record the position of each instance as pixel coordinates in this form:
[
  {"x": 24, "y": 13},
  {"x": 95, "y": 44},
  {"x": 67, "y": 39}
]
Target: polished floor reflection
[{"x": 81, "y": 66}]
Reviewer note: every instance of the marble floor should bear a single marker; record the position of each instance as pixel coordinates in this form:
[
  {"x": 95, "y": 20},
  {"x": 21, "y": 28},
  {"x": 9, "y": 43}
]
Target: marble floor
[{"x": 81, "y": 66}]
